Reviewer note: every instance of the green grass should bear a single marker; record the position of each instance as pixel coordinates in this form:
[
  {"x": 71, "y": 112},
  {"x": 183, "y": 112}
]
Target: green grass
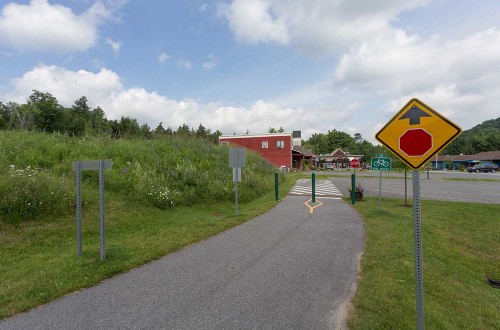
[
  {"x": 39, "y": 262},
  {"x": 461, "y": 247}
]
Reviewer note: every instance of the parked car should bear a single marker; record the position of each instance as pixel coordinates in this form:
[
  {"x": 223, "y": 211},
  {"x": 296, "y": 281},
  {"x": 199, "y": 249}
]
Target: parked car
[
  {"x": 483, "y": 168},
  {"x": 328, "y": 166}
]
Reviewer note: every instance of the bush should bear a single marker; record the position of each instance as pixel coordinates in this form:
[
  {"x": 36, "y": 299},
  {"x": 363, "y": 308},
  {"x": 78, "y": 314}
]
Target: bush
[{"x": 28, "y": 193}]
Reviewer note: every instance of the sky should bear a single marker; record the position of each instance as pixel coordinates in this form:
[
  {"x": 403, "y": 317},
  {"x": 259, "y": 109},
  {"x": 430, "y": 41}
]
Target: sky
[{"x": 246, "y": 65}]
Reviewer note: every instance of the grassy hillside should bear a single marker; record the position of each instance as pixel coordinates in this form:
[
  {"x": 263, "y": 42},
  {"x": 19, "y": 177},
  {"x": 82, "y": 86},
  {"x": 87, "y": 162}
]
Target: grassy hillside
[{"x": 37, "y": 180}]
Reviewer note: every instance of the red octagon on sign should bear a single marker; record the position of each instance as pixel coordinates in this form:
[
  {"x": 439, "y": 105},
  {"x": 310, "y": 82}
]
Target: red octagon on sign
[
  {"x": 355, "y": 163},
  {"x": 415, "y": 142}
]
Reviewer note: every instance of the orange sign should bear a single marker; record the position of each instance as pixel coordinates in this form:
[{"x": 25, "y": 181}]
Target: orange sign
[{"x": 417, "y": 132}]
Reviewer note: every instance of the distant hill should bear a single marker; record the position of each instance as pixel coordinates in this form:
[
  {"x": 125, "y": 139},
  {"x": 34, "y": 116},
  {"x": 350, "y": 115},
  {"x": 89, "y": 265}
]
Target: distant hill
[
  {"x": 482, "y": 137},
  {"x": 492, "y": 125}
]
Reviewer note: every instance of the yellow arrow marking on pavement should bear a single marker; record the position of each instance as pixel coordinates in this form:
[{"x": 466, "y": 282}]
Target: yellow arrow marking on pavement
[{"x": 312, "y": 207}]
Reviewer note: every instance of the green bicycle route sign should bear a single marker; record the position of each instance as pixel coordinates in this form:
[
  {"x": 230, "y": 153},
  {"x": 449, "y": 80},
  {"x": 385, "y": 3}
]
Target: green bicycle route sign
[{"x": 381, "y": 163}]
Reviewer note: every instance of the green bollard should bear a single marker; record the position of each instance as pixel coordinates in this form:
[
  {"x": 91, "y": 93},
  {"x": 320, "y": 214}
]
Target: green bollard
[
  {"x": 276, "y": 186},
  {"x": 314, "y": 187},
  {"x": 353, "y": 189}
]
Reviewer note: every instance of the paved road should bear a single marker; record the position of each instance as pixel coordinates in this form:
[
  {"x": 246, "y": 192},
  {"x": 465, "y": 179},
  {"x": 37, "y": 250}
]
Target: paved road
[
  {"x": 287, "y": 269},
  {"x": 434, "y": 188}
]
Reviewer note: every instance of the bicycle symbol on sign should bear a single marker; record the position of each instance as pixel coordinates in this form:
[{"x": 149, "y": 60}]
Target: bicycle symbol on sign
[{"x": 381, "y": 163}]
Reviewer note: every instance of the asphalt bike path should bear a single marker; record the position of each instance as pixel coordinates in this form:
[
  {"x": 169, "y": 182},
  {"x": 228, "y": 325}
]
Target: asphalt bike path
[{"x": 291, "y": 268}]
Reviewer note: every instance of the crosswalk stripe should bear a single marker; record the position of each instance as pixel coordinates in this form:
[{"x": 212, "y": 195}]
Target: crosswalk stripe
[{"x": 323, "y": 188}]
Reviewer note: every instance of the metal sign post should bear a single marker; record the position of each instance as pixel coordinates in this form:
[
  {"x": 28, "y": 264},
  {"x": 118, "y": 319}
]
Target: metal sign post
[
  {"x": 276, "y": 195},
  {"x": 418, "y": 250},
  {"x": 353, "y": 189},
  {"x": 354, "y": 165},
  {"x": 236, "y": 161},
  {"x": 379, "y": 189},
  {"x": 313, "y": 187},
  {"x": 236, "y": 179},
  {"x": 101, "y": 208},
  {"x": 236, "y": 198},
  {"x": 78, "y": 210},
  {"x": 406, "y": 188},
  {"x": 100, "y": 165}
]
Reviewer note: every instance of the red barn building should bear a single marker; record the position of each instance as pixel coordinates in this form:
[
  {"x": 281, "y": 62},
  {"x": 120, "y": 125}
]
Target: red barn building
[{"x": 277, "y": 148}]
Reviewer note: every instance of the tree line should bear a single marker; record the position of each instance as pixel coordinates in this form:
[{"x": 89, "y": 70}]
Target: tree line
[
  {"x": 482, "y": 137},
  {"x": 326, "y": 143},
  {"x": 42, "y": 112}
]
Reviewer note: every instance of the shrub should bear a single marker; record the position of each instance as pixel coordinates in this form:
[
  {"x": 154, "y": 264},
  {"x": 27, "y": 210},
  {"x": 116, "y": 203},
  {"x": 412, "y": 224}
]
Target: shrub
[{"x": 28, "y": 193}]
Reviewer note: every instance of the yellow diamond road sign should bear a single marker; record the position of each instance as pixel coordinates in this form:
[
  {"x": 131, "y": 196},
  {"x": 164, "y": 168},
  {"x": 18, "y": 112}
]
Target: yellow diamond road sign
[{"x": 417, "y": 132}]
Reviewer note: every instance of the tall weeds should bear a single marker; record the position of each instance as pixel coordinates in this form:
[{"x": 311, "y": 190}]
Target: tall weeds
[{"x": 162, "y": 173}]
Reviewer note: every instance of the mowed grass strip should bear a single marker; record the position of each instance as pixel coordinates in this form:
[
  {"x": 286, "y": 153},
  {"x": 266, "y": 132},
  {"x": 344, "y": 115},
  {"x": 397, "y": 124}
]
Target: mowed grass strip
[
  {"x": 461, "y": 248},
  {"x": 38, "y": 260}
]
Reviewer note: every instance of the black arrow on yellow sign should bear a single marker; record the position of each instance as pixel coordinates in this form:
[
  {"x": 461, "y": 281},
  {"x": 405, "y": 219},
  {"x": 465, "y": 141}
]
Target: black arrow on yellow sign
[{"x": 414, "y": 114}]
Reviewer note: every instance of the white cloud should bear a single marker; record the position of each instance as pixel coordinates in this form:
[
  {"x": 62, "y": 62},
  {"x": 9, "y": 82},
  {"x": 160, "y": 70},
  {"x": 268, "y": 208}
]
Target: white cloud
[
  {"x": 410, "y": 63},
  {"x": 42, "y": 26},
  {"x": 184, "y": 64},
  {"x": 203, "y": 8},
  {"x": 381, "y": 65},
  {"x": 163, "y": 57},
  {"x": 371, "y": 81},
  {"x": 147, "y": 107},
  {"x": 210, "y": 63},
  {"x": 451, "y": 74},
  {"x": 67, "y": 86},
  {"x": 97, "y": 63},
  {"x": 105, "y": 89},
  {"x": 317, "y": 27},
  {"x": 115, "y": 45},
  {"x": 253, "y": 21}
]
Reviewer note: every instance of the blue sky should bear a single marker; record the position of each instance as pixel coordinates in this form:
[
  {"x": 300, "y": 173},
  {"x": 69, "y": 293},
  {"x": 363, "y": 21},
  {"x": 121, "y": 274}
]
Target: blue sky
[{"x": 238, "y": 65}]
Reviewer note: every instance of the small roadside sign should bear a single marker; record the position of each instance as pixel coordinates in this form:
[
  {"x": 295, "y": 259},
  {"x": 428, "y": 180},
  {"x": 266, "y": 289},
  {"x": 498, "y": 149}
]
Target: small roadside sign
[
  {"x": 355, "y": 163},
  {"x": 93, "y": 164},
  {"x": 236, "y": 161},
  {"x": 237, "y": 157},
  {"x": 381, "y": 163}
]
